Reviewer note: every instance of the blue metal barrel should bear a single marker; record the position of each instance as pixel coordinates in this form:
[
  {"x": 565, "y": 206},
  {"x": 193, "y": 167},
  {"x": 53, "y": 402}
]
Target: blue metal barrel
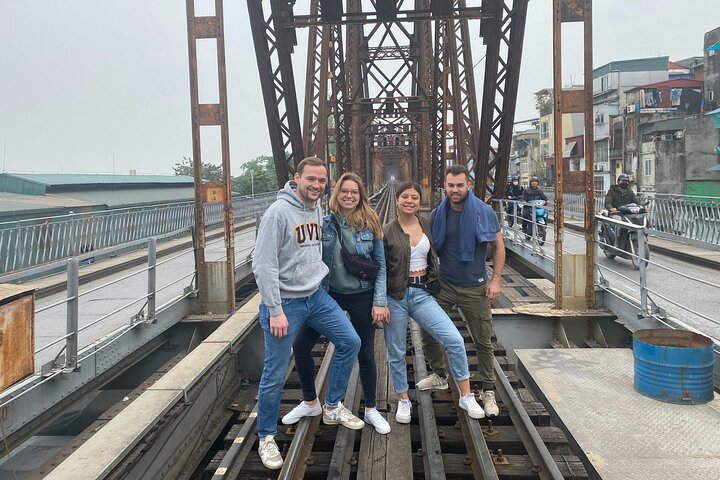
[{"x": 673, "y": 366}]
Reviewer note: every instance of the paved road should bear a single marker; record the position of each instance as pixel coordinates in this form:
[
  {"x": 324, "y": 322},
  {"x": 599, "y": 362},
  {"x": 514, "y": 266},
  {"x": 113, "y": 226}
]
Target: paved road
[
  {"x": 695, "y": 298},
  {"x": 51, "y": 324}
]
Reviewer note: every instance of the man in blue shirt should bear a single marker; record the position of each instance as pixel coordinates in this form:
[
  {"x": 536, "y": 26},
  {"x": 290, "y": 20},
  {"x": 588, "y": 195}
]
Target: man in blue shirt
[{"x": 462, "y": 227}]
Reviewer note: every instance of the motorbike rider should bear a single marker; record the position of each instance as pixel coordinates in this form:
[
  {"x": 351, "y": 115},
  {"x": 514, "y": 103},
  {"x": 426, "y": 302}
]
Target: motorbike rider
[
  {"x": 532, "y": 192},
  {"x": 619, "y": 195},
  {"x": 513, "y": 191}
]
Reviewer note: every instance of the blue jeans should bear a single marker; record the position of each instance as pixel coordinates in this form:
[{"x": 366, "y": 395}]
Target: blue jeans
[
  {"x": 422, "y": 307},
  {"x": 323, "y": 314}
]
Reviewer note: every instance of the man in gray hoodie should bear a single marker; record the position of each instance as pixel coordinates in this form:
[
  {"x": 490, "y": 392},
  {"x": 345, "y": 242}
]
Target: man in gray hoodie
[{"x": 288, "y": 269}]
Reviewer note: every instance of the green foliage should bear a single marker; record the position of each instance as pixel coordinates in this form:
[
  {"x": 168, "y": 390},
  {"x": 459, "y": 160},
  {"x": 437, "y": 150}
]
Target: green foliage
[
  {"x": 544, "y": 101},
  {"x": 209, "y": 171},
  {"x": 256, "y": 176}
]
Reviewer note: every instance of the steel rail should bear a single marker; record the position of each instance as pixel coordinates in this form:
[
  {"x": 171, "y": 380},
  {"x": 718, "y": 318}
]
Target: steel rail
[
  {"x": 536, "y": 448},
  {"x": 294, "y": 466},
  {"x": 236, "y": 455},
  {"x": 434, "y": 467},
  {"x": 339, "y": 467}
]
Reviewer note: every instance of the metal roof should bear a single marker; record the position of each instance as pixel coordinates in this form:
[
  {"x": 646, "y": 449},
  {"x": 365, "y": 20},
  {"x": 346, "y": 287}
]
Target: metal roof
[
  {"x": 12, "y": 201},
  {"x": 125, "y": 197},
  {"x": 57, "y": 179},
  {"x": 634, "y": 65}
]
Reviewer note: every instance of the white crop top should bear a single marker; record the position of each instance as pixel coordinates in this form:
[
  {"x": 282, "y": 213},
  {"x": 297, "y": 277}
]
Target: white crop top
[{"x": 418, "y": 255}]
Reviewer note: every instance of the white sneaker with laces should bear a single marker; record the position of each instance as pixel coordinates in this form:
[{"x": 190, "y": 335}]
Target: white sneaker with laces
[
  {"x": 404, "y": 411},
  {"x": 471, "y": 406},
  {"x": 302, "y": 410},
  {"x": 432, "y": 381},
  {"x": 269, "y": 453},
  {"x": 342, "y": 416},
  {"x": 374, "y": 418},
  {"x": 489, "y": 403}
]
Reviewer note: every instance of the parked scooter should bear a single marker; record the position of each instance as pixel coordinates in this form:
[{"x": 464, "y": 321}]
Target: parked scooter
[
  {"x": 627, "y": 240},
  {"x": 541, "y": 217}
]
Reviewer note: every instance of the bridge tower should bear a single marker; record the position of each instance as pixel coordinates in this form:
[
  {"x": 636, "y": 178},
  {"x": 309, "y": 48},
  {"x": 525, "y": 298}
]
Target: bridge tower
[{"x": 390, "y": 92}]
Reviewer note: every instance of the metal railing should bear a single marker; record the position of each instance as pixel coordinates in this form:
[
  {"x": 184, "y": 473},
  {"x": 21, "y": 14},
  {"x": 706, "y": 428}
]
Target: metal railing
[
  {"x": 27, "y": 243},
  {"x": 639, "y": 295},
  {"x": 676, "y": 217},
  {"x": 696, "y": 218}
]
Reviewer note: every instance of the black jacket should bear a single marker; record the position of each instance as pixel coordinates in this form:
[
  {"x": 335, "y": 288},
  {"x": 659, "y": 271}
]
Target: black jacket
[
  {"x": 513, "y": 192},
  {"x": 616, "y": 197},
  {"x": 533, "y": 194},
  {"x": 397, "y": 257}
]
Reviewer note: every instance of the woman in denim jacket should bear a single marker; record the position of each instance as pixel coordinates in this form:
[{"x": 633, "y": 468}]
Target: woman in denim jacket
[{"x": 364, "y": 300}]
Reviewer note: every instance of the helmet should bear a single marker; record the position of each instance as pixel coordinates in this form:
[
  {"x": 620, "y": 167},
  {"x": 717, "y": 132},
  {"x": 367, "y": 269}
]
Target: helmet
[
  {"x": 514, "y": 178},
  {"x": 534, "y": 179},
  {"x": 623, "y": 176}
]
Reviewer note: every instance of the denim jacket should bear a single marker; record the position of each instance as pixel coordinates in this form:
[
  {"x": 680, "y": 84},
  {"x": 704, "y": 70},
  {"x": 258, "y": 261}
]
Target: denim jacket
[{"x": 368, "y": 246}]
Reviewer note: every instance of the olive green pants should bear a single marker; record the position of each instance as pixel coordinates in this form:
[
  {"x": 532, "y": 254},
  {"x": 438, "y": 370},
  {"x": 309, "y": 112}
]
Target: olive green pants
[{"x": 475, "y": 307}]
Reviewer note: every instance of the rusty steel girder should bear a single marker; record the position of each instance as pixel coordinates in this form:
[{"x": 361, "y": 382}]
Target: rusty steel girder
[
  {"x": 273, "y": 47},
  {"x": 324, "y": 127},
  {"x": 396, "y": 99},
  {"x": 214, "y": 114},
  {"x": 503, "y": 33}
]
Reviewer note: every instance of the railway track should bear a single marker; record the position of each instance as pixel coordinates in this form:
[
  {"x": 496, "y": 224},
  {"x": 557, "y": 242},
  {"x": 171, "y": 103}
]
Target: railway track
[{"x": 441, "y": 441}]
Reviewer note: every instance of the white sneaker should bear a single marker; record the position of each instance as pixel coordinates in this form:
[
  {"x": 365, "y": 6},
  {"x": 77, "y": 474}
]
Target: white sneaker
[
  {"x": 342, "y": 416},
  {"x": 302, "y": 410},
  {"x": 470, "y": 405},
  {"x": 432, "y": 381},
  {"x": 489, "y": 403},
  {"x": 373, "y": 417},
  {"x": 269, "y": 453},
  {"x": 404, "y": 411}
]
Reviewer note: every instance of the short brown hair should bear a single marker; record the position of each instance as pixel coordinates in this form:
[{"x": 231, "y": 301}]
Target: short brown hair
[
  {"x": 312, "y": 161},
  {"x": 458, "y": 170}
]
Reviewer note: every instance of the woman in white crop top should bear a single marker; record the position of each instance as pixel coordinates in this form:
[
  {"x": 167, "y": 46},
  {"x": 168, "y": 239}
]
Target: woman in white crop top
[{"x": 412, "y": 265}]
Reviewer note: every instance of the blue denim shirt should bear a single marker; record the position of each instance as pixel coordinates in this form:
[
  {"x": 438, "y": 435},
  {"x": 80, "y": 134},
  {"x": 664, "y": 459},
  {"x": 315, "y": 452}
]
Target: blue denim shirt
[{"x": 367, "y": 246}]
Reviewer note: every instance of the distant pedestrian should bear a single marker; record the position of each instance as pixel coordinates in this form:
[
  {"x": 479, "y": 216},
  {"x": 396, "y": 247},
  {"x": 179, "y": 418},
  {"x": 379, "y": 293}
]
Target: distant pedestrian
[{"x": 288, "y": 269}]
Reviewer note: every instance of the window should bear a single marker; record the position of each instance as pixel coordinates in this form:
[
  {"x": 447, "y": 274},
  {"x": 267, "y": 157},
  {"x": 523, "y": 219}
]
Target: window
[
  {"x": 710, "y": 95},
  {"x": 604, "y": 84},
  {"x": 599, "y": 184},
  {"x": 544, "y": 130},
  {"x": 648, "y": 167}
]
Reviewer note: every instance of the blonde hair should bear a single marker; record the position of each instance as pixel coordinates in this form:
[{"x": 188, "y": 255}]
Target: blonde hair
[{"x": 363, "y": 216}]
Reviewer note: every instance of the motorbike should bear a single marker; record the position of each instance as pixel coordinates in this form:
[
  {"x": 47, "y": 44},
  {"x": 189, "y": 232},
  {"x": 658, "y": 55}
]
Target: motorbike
[
  {"x": 541, "y": 217},
  {"x": 627, "y": 240},
  {"x": 512, "y": 211}
]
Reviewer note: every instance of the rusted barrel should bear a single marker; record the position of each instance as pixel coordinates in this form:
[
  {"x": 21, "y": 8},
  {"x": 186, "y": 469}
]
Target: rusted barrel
[{"x": 673, "y": 366}]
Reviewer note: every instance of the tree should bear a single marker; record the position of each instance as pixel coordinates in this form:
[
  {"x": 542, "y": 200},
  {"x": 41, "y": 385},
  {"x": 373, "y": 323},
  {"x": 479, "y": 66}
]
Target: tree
[
  {"x": 256, "y": 176},
  {"x": 209, "y": 171},
  {"x": 544, "y": 101}
]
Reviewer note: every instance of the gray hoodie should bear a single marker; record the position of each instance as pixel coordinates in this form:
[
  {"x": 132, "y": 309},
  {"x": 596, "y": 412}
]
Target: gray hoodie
[{"x": 288, "y": 257}]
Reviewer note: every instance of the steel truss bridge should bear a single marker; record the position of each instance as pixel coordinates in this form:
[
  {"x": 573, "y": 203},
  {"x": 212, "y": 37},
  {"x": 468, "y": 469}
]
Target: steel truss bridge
[{"x": 390, "y": 87}]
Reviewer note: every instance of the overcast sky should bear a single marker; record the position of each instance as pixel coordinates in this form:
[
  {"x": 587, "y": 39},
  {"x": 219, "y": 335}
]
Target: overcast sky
[{"x": 102, "y": 85}]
